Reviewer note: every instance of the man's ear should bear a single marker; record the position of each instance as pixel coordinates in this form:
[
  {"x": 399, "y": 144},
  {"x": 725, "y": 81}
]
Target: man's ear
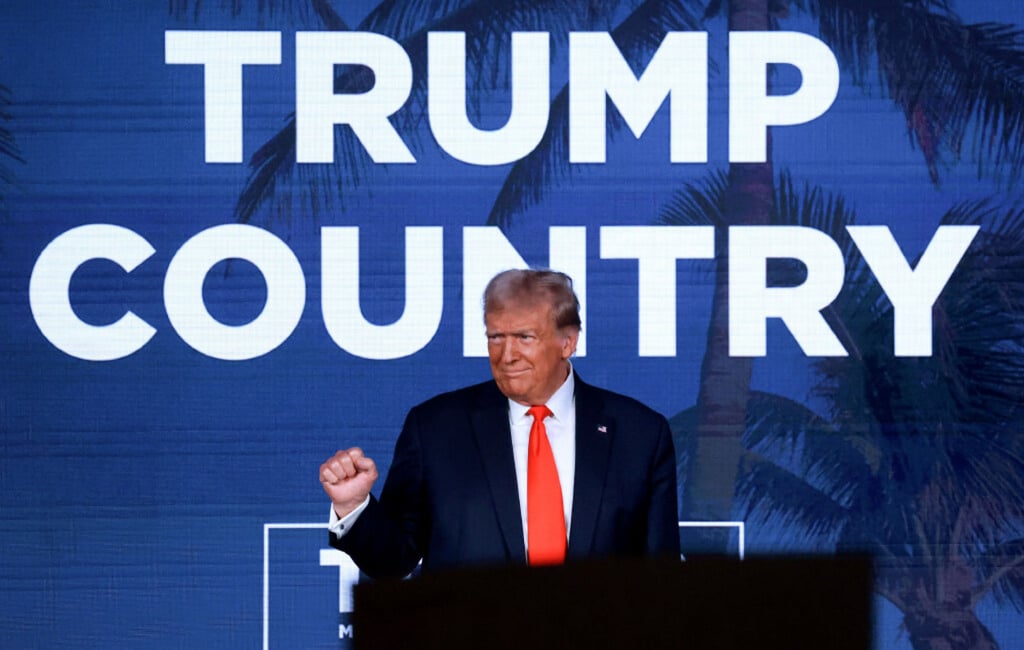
[{"x": 570, "y": 337}]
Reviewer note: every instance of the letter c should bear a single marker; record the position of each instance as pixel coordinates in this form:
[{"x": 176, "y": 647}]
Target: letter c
[{"x": 51, "y": 305}]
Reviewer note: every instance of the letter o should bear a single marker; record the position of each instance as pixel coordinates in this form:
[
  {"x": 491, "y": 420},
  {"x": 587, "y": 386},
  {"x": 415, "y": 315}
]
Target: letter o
[{"x": 183, "y": 292}]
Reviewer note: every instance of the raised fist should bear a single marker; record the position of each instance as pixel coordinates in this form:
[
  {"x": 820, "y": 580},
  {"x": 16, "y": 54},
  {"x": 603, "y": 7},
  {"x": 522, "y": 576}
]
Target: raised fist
[{"x": 347, "y": 477}]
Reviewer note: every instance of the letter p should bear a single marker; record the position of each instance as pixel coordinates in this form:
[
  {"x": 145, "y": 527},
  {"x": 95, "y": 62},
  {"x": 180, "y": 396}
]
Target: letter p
[{"x": 752, "y": 110}]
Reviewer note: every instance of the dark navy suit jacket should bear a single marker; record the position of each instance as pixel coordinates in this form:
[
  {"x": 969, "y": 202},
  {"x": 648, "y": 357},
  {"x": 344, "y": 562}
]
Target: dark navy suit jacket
[{"x": 451, "y": 498}]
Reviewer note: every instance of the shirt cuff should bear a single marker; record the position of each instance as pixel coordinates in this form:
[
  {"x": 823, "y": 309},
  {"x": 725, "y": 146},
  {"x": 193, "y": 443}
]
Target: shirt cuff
[{"x": 339, "y": 526}]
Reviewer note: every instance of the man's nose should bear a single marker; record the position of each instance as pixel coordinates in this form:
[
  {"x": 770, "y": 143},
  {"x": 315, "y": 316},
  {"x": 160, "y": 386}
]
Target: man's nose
[{"x": 509, "y": 350}]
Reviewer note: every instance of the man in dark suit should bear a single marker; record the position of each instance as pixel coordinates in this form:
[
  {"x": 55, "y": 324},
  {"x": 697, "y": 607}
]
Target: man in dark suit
[{"x": 535, "y": 466}]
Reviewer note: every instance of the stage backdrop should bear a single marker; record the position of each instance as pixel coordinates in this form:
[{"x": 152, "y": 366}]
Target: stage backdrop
[{"x": 239, "y": 236}]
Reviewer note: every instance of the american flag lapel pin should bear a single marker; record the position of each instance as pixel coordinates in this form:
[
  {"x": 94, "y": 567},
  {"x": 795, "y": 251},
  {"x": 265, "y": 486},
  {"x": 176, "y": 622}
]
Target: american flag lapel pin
[{"x": 602, "y": 428}]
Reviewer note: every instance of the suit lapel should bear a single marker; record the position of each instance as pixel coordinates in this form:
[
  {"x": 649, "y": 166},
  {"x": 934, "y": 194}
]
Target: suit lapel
[
  {"x": 489, "y": 419},
  {"x": 594, "y": 431}
]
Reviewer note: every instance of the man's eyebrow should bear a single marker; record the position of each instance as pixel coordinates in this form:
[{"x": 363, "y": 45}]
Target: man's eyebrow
[{"x": 522, "y": 332}]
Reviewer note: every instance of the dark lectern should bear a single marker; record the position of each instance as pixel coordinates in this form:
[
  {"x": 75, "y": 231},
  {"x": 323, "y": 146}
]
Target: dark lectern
[{"x": 819, "y": 603}]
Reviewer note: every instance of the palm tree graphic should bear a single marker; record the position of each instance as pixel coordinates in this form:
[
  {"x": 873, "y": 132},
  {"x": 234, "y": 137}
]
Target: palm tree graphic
[
  {"x": 916, "y": 460},
  {"x": 8, "y": 147}
]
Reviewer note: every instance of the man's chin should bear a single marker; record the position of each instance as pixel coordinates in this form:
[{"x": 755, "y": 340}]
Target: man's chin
[{"x": 512, "y": 390}]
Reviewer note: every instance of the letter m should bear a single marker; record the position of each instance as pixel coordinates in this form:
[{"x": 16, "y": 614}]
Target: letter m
[{"x": 678, "y": 68}]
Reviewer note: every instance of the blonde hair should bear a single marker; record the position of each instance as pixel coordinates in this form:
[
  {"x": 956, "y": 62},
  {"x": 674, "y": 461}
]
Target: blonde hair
[{"x": 529, "y": 286}]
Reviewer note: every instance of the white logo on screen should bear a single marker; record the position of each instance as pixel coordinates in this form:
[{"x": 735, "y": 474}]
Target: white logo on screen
[{"x": 348, "y": 576}]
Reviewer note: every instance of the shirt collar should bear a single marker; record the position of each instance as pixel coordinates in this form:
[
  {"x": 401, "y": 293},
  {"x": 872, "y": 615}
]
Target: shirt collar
[{"x": 560, "y": 403}]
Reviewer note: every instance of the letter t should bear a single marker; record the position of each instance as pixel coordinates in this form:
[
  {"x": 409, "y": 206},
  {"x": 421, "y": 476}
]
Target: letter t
[{"x": 222, "y": 55}]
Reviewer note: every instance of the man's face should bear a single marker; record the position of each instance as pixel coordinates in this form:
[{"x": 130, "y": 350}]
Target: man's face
[{"x": 529, "y": 356}]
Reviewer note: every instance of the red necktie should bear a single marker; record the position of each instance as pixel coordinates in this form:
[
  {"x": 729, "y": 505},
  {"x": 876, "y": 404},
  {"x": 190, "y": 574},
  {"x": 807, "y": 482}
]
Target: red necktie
[{"x": 545, "y": 519}]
